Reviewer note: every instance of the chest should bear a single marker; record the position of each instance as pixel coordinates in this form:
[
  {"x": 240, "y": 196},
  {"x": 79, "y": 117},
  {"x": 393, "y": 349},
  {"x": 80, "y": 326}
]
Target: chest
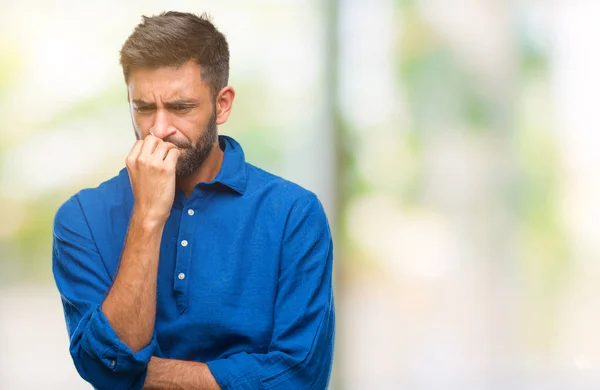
[{"x": 217, "y": 283}]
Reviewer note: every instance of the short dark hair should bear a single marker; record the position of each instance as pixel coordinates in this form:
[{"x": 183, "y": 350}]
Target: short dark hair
[{"x": 174, "y": 38}]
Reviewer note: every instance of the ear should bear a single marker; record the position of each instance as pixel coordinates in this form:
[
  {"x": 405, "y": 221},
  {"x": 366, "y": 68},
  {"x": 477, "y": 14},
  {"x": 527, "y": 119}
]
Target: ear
[{"x": 224, "y": 103}]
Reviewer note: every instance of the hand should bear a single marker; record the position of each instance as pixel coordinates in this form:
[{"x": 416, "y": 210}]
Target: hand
[{"x": 151, "y": 165}]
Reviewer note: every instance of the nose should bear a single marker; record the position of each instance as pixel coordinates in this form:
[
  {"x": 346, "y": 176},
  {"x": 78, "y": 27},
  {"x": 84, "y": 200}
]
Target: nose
[{"x": 162, "y": 127}]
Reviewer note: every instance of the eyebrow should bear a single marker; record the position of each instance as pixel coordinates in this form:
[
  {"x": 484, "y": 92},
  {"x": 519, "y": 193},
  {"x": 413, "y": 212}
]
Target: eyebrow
[{"x": 170, "y": 104}]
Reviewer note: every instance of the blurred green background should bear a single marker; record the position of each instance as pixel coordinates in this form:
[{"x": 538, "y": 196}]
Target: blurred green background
[{"x": 453, "y": 144}]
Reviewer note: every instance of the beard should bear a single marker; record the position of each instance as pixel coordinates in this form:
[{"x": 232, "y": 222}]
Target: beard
[{"x": 193, "y": 155}]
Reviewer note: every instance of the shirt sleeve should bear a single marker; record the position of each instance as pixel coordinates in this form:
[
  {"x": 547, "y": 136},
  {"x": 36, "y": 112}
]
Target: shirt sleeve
[
  {"x": 301, "y": 351},
  {"x": 83, "y": 282}
]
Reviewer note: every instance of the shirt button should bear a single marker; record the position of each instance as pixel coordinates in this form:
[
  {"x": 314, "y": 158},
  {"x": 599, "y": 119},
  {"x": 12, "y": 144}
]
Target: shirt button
[
  {"x": 184, "y": 243},
  {"x": 181, "y": 276},
  {"x": 190, "y": 212},
  {"x": 112, "y": 363}
]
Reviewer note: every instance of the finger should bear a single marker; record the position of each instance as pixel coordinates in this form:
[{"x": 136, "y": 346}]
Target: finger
[
  {"x": 135, "y": 151},
  {"x": 150, "y": 143},
  {"x": 172, "y": 156},
  {"x": 161, "y": 150}
]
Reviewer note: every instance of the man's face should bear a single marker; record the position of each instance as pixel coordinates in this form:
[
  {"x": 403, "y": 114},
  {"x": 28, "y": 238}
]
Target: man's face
[{"x": 175, "y": 105}]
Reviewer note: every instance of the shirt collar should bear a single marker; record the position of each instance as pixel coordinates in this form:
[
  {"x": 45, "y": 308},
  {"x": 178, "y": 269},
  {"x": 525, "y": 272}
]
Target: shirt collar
[{"x": 233, "y": 168}]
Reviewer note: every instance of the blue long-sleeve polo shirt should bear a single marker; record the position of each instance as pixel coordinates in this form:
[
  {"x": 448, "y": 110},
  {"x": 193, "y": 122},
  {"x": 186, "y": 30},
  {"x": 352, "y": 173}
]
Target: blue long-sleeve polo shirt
[{"x": 244, "y": 281}]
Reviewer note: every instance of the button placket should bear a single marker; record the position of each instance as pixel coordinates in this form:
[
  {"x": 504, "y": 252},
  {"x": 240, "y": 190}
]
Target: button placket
[{"x": 182, "y": 263}]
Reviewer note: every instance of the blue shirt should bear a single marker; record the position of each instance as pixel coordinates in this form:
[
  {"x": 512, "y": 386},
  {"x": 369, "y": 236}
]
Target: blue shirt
[{"x": 244, "y": 281}]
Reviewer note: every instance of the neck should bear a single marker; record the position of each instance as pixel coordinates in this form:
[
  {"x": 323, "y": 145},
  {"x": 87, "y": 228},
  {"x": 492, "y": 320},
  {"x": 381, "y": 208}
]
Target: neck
[{"x": 207, "y": 172}]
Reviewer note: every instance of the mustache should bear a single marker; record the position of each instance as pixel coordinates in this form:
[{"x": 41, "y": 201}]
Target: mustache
[{"x": 180, "y": 144}]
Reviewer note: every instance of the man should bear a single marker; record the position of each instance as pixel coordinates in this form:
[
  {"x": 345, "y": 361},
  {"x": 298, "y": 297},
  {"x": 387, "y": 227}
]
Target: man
[{"x": 193, "y": 269}]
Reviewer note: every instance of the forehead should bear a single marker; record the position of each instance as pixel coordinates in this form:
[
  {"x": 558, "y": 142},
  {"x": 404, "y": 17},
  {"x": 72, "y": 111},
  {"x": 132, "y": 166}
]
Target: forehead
[{"x": 167, "y": 83}]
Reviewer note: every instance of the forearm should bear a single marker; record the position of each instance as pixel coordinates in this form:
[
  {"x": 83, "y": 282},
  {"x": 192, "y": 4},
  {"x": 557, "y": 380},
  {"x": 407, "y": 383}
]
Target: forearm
[
  {"x": 130, "y": 305},
  {"x": 179, "y": 375}
]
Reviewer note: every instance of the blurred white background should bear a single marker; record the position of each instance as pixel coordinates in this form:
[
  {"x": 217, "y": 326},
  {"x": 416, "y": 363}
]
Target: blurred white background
[{"x": 453, "y": 144}]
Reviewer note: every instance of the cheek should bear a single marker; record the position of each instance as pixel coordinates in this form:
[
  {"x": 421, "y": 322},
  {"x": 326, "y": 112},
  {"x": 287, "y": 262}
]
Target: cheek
[
  {"x": 191, "y": 120},
  {"x": 143, "y": 122},
  {"x": 189, "y": 127}
]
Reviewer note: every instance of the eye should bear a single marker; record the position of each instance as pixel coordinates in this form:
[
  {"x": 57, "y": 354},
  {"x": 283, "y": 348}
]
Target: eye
[
  {"x": 182, "y": 109},
  {"x": 143, "y": 109}
]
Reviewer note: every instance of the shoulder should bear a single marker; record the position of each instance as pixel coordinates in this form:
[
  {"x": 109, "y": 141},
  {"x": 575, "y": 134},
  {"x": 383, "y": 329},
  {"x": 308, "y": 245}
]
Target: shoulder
[
  {"x": 290, "y": 200},
  {"x": 111, "y": 190},
  {"x": 75, "y": 210},
  {"x": 274, "y": 186}
]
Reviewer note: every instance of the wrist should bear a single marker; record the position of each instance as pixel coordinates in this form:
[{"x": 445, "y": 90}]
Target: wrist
[{"x": 147, "y": 221}]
